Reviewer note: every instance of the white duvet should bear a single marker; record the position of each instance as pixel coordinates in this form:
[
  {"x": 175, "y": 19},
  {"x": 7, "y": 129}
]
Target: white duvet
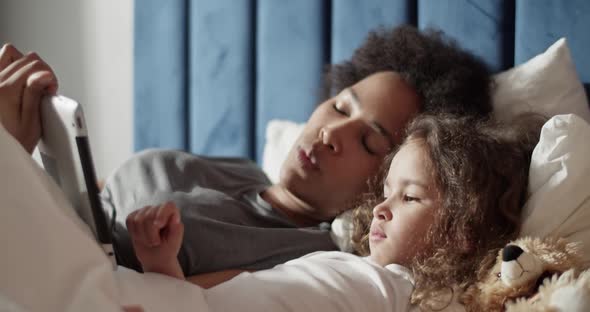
[{"x": 49, "y": 261}]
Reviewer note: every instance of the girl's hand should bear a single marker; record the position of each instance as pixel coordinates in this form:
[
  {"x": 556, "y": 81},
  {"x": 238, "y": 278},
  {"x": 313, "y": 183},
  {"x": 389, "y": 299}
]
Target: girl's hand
[
  {"x": 24, "y": 80},
  {"x": 156, "y": 233}
]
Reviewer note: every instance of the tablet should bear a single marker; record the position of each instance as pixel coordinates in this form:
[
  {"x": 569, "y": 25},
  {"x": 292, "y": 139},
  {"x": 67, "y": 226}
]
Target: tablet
[{"x": 65, "y": 153}]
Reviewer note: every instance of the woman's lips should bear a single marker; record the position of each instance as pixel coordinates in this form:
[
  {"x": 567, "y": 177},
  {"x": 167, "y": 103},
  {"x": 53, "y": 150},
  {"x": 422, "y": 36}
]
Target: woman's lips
[{"x": 307, "y": 162}]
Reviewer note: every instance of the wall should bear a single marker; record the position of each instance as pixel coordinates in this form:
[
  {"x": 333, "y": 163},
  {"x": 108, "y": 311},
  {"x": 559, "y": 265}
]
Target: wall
[{"x": 89, "y": 45}]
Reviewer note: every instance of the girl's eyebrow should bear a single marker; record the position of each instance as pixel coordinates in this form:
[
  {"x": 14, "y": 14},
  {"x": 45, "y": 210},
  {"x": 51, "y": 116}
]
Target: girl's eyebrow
[
  {"x": 374, "y": 124},
  {"x": 406, "y": 182}
]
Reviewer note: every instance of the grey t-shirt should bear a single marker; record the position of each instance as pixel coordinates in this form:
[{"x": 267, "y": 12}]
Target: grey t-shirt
[{"x": 227, "y": 224}]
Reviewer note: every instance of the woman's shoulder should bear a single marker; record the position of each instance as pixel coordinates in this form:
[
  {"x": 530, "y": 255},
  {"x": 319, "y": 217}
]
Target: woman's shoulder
[
  {"x": 161, "y": 171},
  {"x": 198, "y": 169}
]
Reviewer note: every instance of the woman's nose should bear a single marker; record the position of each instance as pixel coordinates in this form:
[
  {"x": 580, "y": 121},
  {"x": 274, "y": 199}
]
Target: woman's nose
[
  {"x": 329, "y": 137},
  {"x": 382, "y": 211},
  {"x": 336, "y": 134}
]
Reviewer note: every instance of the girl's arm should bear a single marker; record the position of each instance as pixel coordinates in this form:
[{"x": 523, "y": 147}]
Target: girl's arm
[
  {"x": 208, "y": 280},
  {"x": 156, "y": 233}
]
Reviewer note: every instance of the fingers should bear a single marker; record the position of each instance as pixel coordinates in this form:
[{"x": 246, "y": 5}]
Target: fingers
[
  {"x": 135, "y": 225},
  {"x": 150, "y": 230},
  {"x": 25, "y": 68},
  {"x": 175, "y": 232},
  {"x": 167, "y": 214},
  {"x": 150, "y": 225},
  {"x": 22, "y": 71},
  {"x": 18, "y": 64},
  {"x": 35, "y": 88},
  {"x": 8, "y": 54}
]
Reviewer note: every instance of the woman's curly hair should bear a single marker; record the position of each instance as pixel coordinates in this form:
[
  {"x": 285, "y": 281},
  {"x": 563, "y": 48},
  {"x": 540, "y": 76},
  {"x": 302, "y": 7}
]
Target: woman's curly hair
[
  {"x": 481, "y": 173},
  {"x": 444, "y": 76}
]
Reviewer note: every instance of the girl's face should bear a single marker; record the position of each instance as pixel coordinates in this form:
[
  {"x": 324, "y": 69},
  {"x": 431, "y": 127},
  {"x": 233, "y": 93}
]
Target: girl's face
[{"x": 401, "y": 222}]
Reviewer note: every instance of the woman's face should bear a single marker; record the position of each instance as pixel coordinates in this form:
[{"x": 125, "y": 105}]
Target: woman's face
[
  {"x": 401, "y": 222},
  {"x": 345, "y": 141}
]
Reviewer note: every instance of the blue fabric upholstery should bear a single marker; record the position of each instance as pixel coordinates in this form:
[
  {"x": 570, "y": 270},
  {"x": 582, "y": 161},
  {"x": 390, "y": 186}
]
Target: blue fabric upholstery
[
  {"x": 291, "y": 52},
  {"x": 483, "y": 27},
  {"x": 210, "y": 74},
  {"x": 221, "y": 77},
  {"x": 353, "y": 19},
  {"x": 539, "y": 23},
  {"x": 160, "y": 74}
]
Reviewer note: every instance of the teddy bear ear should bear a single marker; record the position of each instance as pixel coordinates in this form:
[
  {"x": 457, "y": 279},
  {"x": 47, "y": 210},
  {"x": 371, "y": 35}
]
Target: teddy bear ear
[{"x": 511, "y": 252}]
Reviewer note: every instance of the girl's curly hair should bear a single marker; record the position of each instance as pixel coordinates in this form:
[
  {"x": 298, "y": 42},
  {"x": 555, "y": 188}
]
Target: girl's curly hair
[
  {"x": 481, "y": 172},
  {"x": 446, "y": 78}
]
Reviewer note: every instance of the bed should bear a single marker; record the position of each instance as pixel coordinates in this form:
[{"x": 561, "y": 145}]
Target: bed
[{"x": 212, "y": 75}]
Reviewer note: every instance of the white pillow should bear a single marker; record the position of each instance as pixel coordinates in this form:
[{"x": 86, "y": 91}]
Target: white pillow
[
  {"x": 559, "y": 183},
  {"x": 546, "y": 84},
  {"x": 280, "y": 137}
]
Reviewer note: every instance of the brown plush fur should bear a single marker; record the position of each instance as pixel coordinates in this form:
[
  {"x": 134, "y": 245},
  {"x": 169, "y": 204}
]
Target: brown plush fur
[{"x": 491, "y": 294}]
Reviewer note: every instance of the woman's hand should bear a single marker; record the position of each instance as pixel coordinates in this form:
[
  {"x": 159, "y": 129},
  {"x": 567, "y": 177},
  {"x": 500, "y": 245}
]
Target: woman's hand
[
  {"x": 156, "y": 233},
  {"x": 24, "y": 80}
]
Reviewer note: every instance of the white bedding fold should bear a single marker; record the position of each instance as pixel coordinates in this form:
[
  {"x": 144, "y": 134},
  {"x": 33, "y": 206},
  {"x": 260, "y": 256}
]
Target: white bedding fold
[{"x": 49, "y": 261}]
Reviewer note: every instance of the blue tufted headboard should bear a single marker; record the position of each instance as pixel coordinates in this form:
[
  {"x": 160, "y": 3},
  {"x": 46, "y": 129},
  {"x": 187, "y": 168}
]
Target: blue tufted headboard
[{"x": 210, "y": 74}]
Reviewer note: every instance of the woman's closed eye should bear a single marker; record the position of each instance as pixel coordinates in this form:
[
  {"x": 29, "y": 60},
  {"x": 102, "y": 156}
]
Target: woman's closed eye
[
  {"x": 340, "y": 110},
  {"x": 363, "y": 138},
  {"x": 366, "y": 146}
]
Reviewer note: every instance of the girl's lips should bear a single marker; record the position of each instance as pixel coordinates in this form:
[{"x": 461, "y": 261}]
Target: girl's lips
[
  {"x": 377, "y": 235},
  {"x": 306, "y": 162}
]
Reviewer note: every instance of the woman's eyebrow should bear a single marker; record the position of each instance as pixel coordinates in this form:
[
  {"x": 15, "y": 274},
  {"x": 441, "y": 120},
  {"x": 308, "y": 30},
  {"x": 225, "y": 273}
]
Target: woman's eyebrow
[{"x": 374, "y": 124}]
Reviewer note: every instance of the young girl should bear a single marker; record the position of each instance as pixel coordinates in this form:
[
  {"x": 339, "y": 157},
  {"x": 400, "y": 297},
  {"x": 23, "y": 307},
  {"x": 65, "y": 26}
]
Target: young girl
[{"x": 454, "y": 190}]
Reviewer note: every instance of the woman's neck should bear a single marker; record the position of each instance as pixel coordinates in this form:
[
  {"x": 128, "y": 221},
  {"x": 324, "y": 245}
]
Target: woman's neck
[{"x": 295, "y": 209}]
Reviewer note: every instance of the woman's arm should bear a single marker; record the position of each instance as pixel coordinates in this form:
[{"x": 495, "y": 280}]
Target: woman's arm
[{"x": 208, "y": 280}]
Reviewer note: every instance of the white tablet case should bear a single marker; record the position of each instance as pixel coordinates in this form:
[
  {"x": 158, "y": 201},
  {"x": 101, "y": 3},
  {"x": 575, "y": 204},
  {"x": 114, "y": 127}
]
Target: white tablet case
[{"x": 65, "y": 152}]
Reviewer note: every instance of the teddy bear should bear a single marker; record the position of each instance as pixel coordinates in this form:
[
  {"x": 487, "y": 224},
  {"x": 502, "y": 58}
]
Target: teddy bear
[{"x": 533, "y": 274}]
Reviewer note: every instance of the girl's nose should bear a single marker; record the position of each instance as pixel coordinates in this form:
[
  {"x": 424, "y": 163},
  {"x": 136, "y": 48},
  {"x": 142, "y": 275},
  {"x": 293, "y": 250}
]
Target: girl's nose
[{"x": 382, "y": 212}]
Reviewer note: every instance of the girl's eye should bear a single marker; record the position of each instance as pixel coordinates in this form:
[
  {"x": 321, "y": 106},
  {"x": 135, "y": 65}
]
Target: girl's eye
[
  {"x": 411, "y": 199},
  {"x": 366, "y": 146},
  {"x": 339, "y": 111}
]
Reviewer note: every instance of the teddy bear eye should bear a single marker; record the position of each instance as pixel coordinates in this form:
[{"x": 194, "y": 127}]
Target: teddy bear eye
[{"x": 499, "y": 274}]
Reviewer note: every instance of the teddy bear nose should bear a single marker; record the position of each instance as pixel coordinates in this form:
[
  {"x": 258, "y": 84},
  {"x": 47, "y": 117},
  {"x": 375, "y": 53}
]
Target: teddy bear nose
[{"x": 511, "y": 252}]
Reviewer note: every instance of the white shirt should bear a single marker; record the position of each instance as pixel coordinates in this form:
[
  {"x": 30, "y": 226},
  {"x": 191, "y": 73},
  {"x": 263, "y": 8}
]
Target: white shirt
[{"x": 321, "y": 281}]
